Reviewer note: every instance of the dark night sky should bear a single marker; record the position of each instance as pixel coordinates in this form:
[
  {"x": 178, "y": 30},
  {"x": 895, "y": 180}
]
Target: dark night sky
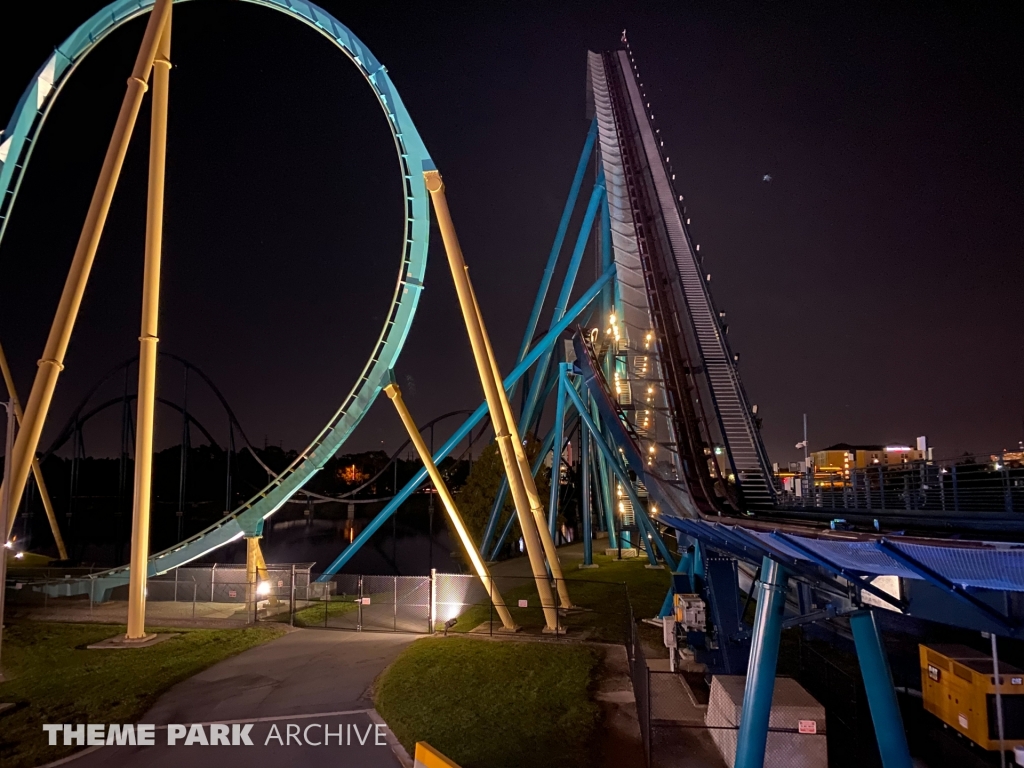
[{"x": 873, "y": 284}]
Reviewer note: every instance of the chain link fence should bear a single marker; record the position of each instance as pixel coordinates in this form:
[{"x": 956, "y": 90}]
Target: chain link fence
[{"x": 685, "y": 722}]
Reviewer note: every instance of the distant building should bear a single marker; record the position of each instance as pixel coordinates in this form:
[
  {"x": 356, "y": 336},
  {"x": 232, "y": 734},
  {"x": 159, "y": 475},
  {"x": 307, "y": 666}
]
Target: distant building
[{"x": 842, "y": 457}]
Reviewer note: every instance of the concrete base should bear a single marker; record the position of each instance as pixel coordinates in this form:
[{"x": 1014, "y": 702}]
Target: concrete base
[
  {"x": 5, "y": 705},
  {"x": 120, "y": 643},
  {"x": 627, "y": 553},
  {"x": 654, "y": 567},
  {"x": 560, "y": 631},
  {"x": 792, "y": 707},
  {"x": 491, "y": 628},
  {"x": 581, "y": 566}
]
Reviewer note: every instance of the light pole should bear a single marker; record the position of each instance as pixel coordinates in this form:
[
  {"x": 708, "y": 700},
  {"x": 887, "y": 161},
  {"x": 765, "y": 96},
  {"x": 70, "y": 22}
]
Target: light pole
[
  {"x": 5, "y": 513},
  {"x": 808, "y": 475}
]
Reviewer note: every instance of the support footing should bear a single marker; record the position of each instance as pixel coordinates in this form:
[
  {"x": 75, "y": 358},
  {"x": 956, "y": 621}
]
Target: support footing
[
  {"x": 627, "y": 553},
  {"x": 120, "y": 642}
]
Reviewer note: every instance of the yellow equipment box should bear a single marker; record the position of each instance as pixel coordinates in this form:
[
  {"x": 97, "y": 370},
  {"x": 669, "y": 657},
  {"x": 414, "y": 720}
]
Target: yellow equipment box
[{"x": 959, "y": 688}]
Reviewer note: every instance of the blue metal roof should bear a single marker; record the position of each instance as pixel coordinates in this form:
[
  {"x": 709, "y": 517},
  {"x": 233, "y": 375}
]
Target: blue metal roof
[
  {"x": 975, "y": 565},
  {"x": 980, "y": 567}
]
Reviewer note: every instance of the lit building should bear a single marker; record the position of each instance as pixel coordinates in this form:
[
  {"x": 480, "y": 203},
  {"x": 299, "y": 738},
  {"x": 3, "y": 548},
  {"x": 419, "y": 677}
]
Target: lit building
[{"x": 842, "y": 457}]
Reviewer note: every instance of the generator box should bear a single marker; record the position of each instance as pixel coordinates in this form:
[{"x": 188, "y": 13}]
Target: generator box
[{"x": 959, "y": 687}]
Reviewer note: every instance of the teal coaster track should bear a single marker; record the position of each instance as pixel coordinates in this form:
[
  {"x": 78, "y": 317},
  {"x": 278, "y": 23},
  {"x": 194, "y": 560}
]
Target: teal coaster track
[{"x": 21, "y": 134}]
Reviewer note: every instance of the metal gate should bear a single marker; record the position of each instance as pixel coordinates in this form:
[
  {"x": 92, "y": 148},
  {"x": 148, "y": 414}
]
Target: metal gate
[{"x": 373, "y": 603}]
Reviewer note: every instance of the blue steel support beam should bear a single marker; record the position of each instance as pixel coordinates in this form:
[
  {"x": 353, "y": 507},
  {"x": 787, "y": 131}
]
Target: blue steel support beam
[
  {"x": 460, "y": 434},
  {"x": 557, "y": 446},
  {"x": 605, "y": 489},
  {"x": 885, "y": 710},
  {"x": 556, "y": 247},
  {"x": 939, "y": 580},
  {"x": 539, "y": 384},
  {"x": 533, "y": 399},
  {"x": 538, "y": 461},
  {"x": 764, "y": 657},
  {"x": 616, "y": 467},
  {"x": 499, "y": 499},
  {"x": 588, "y": 544}
]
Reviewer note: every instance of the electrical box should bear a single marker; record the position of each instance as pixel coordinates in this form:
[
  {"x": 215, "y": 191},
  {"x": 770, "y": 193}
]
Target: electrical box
[
  {"x": 690, "y": 612},
  {"x": 668, "y": 632},
  {"x": 959, "y": 687}
]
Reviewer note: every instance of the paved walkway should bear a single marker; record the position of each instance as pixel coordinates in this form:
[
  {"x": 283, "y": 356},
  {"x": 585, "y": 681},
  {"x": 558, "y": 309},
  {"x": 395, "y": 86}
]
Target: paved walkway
[{"x": 315, "y": 678}]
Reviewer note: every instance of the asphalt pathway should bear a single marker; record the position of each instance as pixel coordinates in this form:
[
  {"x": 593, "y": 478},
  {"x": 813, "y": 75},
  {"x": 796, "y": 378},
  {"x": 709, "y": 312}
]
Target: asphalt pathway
[{"x": 304, "y": 684}]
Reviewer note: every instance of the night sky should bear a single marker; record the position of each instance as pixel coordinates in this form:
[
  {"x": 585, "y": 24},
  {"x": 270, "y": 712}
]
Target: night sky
[{"x": 873, "y": 284}]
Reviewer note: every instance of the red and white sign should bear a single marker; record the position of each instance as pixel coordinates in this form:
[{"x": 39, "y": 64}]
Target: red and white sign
[
  {"x": 523, "y": 603},
  {"x": 807, "y": 726}
]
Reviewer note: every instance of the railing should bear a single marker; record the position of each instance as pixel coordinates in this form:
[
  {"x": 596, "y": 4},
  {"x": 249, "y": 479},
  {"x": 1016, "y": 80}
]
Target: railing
[{"x": 992, "y": 483}]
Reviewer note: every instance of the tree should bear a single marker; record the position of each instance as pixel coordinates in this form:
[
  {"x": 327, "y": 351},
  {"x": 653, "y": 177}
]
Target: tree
[{"x": 477, "y": 496}]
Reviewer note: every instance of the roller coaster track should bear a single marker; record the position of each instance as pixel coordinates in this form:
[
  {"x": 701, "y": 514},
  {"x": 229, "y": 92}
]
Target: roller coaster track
[{"x": 22, "y": 133}]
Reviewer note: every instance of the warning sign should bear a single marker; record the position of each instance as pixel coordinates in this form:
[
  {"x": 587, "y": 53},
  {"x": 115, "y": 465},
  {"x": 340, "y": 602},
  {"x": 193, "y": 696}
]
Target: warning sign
[{"x": 807, "y": 726}]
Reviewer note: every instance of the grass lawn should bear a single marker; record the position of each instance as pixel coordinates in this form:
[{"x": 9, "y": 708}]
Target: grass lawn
[
  {"x": 53, "y": 679},
  {"x": 493, "y": 704},
  {"x": 601, "y": 592}
]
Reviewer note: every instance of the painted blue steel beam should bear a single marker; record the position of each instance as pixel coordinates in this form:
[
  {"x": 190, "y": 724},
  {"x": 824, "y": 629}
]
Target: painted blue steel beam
[
  {"x": 460, "y": 434},
  {"x": 495, "y": 516},
  {"x": 645, "y": 523},
  {"x": 585, "y": 483},
  {"x": 539, "y": 384},
  {"x": 556, "y": 247},
  {"x": 557, "y": 448},
  {"x": 538, "y": 462},
  {"x": 885, "y": 710},
  {"x": 764, "y": 656},
  {"x": 21, "y": 135},
  {"x": 596, "y": 198}
]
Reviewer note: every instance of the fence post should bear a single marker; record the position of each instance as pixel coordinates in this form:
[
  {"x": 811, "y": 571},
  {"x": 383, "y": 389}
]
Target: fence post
[
  {"x": 195, "y": 588},
  {"x": 1005, "y": 477},
  {"x": 359, "y": 607},
  {"x": 213, "y": 579},
  {"x": 175, "y": 585},
  {"x": 650, "y": 715},
  {"x": 396, "y": 604},
  {"x": 433, "y": 601},
  {"x": 291, "y": 600}
]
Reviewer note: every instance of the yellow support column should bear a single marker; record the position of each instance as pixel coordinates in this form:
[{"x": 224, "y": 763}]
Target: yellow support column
[
  {"x": 148, "y": 343},
  {"x": 252, "y": 558},
  {"x": 263, "y": 574},
  {"x": 52, "y": 362},
  {"x": 395, "y": 394},
  {"x": 37, "y": 471},
  {"x": 531, "y": 536},
  {"x": 550, "y": 552}
]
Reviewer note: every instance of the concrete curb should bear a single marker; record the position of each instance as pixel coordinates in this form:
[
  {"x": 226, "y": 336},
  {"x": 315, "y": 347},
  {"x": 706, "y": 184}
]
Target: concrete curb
[{"x": 392, "y": 740}]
